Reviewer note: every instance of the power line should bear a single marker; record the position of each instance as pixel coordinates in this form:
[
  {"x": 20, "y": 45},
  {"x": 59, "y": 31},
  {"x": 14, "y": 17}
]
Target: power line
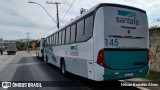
[
  {"x": 67, "y": 11},
  {"x": 62, "y": 18},
  {"x": 38, "y": 19},
  {"x": 47, "y": 32},
  {"x": 44, "y": 9},
  {"x": 40, "y": 23}
]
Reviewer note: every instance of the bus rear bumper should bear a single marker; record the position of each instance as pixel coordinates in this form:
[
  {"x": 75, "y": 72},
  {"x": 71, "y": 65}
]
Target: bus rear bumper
[{"x": 125, "y": 74}]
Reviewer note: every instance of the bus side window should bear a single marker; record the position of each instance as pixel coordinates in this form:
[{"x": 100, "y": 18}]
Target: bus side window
[
  {"x": 48, "y": 41},
  {"x": 80, "y": 31},
  {"x": 88, "y": 27},
  {"x": 84, "y": 29},
  {"x": 68, "y": 35},
  {"x": 54, "y": 43},
  {"x": 60, "y": 38},
  {"x": 73, "y": 33},
  {"x": 56, "y": 38},
  {"x": 52, "y": 40},
  {"x": 63, "y": 36}
]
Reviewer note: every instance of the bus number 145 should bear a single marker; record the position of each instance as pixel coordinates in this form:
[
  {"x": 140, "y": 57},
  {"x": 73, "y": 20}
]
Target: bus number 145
[{"x": 111, "y": 42}]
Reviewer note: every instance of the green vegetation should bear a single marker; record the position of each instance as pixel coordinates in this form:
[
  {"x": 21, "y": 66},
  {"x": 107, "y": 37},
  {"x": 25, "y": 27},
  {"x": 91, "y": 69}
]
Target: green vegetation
[
  {"x": 24, "y": 45},
  {"x": 20, "y": 45},
  {"x": 154, "y": 26},
  {"x": 153, "y": 75}
]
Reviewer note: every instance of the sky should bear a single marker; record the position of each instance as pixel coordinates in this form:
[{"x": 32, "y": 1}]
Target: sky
[{"x": 18, "y": 17}]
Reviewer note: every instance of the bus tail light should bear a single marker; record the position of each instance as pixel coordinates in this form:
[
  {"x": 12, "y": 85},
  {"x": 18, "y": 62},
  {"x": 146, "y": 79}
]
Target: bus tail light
[{"x": 100, "y": 58}]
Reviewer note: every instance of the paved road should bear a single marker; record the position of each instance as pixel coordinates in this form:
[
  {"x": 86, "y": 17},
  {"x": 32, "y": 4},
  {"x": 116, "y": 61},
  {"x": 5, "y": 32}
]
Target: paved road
[{"x": 26, "y": 67}]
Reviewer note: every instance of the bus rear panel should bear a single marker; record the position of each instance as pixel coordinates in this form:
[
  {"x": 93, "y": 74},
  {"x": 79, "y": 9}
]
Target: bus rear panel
[{"x": 121, "y": 43}]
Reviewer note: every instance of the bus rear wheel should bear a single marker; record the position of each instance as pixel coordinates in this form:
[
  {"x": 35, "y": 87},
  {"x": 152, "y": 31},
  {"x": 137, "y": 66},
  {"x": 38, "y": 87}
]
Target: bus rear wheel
[
  {"x": 63, "y": 68},
  {"x": 46, "y": 58}
]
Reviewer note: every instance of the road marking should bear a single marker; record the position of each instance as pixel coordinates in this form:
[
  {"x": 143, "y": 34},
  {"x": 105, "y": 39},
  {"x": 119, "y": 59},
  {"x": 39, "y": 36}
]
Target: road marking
[{"x": 1, "y": 61}]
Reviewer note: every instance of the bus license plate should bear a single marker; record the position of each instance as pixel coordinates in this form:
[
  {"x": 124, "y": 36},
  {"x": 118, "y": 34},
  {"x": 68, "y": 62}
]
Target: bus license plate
[{"x": 128, "y": 74}]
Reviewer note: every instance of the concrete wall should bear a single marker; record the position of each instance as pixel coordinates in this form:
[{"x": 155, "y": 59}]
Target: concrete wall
[{"x": 155, "y": 49}]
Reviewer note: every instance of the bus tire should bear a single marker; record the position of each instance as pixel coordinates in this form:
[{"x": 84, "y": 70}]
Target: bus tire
[
  {"x": 63, "y": 68},
  {"x": 38, "y": 55},
  {"x": 46, "y": 58}
]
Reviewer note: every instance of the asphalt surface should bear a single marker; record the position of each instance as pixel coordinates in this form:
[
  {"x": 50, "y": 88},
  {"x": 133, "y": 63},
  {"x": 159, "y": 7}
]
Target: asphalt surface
[{"x": 25, "y": 66}]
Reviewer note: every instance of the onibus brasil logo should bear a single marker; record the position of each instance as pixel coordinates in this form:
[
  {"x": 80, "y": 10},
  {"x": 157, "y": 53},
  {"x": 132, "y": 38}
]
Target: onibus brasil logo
[{"x": 7, "y": 84}]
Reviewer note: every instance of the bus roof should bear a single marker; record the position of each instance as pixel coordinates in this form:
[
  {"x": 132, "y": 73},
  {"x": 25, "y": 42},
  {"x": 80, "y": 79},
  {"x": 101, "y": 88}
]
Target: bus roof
[{"x": 95, "y": 8}]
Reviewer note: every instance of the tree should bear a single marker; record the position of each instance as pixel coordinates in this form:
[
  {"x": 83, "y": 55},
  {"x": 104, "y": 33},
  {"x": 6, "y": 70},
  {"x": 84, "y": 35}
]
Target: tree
[
  {"x": 32, "y": 44},
  {"x": 20, "y": 45},
  {"x": 154, "y": 26}
]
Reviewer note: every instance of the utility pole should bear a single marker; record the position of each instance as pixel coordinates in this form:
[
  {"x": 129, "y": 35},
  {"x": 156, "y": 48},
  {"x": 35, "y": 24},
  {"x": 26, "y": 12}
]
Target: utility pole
[
  {"x": 57, "y": 11},
  {"x": 28, "y": 40}
]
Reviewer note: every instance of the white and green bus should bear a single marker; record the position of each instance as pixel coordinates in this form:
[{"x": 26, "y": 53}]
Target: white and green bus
[
  {"x": 108, "y": 42},
  {"x": 40, "y": 48}
]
